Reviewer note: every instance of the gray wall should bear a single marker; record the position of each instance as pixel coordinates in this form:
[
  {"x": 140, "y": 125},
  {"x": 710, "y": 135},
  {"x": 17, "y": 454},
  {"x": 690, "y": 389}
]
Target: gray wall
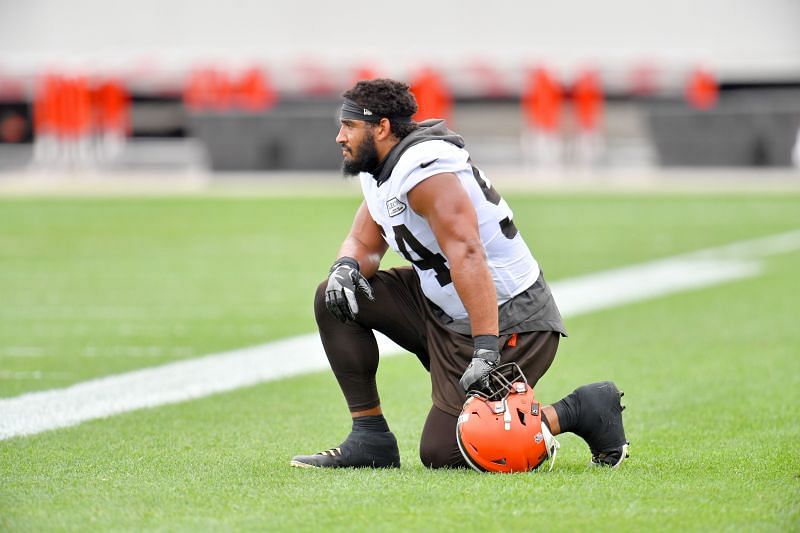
[
  {"x": 745, "y": 128},
  {"x": 290, "y": 136}
]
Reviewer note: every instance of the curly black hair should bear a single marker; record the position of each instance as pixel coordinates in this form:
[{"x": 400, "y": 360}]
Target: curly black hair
[{"x": 387, "y": 98}]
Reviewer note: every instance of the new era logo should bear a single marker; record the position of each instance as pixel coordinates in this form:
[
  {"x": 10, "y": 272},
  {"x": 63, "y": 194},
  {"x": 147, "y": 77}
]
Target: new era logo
[{"x": 395, "y": 207}]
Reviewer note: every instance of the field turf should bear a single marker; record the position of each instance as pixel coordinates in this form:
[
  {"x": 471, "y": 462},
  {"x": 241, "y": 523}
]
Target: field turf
[{"x": 96, "y": 286}]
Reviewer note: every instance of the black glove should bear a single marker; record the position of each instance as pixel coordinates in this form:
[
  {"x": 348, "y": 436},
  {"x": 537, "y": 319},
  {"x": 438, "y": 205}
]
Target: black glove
[
  {"x": 343, "y": 282},
  {"x": 484, "y": 359}
]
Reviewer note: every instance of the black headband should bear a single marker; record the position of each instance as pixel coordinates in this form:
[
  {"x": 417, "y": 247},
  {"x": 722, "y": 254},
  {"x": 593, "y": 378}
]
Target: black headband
[{"x": 353, "y": 111}]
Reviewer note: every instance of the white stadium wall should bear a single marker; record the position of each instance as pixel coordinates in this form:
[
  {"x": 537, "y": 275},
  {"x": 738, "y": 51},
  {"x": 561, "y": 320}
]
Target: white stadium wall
[{"x": 736, "y": 38}]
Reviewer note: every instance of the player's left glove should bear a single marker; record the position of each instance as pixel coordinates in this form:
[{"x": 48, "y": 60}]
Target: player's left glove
[
  {"x": 484, "y": 359},
  {"x": 343, "y": 282}
]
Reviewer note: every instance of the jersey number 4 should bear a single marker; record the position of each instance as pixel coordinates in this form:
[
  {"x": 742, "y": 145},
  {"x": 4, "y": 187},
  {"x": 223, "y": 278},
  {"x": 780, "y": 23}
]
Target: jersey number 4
[
  {"x": 436, "y": 261},
  {"x": 428, "y": 260}
]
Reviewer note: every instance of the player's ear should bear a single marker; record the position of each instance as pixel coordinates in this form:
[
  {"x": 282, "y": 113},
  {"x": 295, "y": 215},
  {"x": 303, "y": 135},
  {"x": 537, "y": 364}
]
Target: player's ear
[{"x": 384, "y": 129}]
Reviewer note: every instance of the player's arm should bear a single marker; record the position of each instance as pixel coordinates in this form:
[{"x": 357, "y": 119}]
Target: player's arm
[
  {"x": 358, "y": 259},
  {"x": 364, "y": 243},
  {"x": 444, "y": 203}
]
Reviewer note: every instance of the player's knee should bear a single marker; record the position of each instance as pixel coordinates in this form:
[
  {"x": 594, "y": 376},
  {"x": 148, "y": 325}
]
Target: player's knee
[
  {"x": 434, "y": 456},
  {"x": 319, "y": 301},
  {"x": 431, "y": 457}
]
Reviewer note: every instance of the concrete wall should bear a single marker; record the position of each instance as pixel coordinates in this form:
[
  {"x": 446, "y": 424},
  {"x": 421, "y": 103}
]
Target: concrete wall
[
  {"x": 291, "y": 136},
  {"x": 745, "y": 128}
]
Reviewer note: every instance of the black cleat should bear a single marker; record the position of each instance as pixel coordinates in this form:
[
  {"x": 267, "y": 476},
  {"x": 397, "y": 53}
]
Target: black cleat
[
  {"x": 612, "y": 458},
  {"x": 363, "y": 449},
  {"x": 601, "y": 405}
]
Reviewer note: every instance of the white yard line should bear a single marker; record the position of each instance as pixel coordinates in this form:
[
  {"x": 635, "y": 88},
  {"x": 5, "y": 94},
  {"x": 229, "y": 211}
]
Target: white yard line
[{"x": 195, "y": 378}]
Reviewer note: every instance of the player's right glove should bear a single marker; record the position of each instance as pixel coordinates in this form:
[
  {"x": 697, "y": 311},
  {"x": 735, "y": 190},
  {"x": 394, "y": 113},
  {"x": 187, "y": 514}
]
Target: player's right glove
[
  {"x": 344, "y": 280},
  {"x": 485, "y": 357}
]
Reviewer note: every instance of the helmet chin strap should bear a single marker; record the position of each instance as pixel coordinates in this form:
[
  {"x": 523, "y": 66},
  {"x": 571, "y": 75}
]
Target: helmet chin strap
[
  {"x": 552, "y": 445},
  {"x": 506, "y": 416}
]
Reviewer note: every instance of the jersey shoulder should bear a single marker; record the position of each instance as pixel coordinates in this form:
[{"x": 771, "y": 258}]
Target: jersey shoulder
[
  {"x": 427, "y": 159},
  {"x": 428, "y": 154}
]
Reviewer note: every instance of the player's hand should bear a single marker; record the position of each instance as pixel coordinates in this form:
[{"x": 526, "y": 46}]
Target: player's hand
[
  {"x": 343, "y": 282},
  {"x": 476, "y": 376}
]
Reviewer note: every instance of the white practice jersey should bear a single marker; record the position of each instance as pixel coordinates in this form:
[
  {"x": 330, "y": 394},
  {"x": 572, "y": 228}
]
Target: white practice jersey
[{"x": 512, "y": 266}]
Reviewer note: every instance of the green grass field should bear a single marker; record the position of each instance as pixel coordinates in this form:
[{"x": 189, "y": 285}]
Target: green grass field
[{"x": 97, "y": 286}]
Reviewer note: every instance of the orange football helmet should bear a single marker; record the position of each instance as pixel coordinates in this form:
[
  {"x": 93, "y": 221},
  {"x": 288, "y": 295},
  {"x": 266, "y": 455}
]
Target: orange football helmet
[{"x": 500, "y": 428}]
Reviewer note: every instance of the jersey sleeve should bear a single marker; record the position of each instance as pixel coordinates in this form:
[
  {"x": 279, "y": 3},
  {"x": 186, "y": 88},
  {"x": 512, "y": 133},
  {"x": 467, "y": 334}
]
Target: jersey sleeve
[{"x": 427, "y": 159}]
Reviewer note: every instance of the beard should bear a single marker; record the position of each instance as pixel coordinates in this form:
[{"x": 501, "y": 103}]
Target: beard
[{"x": 365, "y": 158}]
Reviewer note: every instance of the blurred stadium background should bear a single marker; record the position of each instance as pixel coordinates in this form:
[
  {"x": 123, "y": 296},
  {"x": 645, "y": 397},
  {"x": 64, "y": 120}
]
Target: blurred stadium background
[
  {"x": 191, "y": 87},
  {"x": 108, "y": 109}
]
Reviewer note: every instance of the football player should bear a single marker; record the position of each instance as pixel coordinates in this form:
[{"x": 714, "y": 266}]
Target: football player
[{"x": 474, "y": 295}]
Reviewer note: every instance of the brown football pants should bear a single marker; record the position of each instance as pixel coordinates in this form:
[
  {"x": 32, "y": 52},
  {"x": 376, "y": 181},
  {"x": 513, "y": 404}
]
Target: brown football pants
[{"x": 402, "y": 313}]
